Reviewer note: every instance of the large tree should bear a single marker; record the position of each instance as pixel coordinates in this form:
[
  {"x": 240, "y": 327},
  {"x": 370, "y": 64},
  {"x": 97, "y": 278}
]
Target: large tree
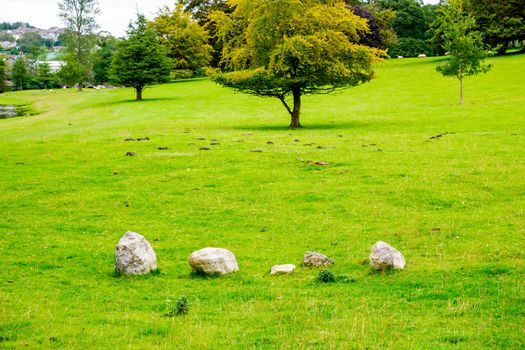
[
  {"x": 464, "y": 45},
  {"x": 200, "y": 10},
  {"x": 140, "y": 60},
  {"x": 185, "y": 39},
  {"x": 79, "y": 18},
  {"x": 499, "y": 21},
  {"x": 290, "y": 48}
]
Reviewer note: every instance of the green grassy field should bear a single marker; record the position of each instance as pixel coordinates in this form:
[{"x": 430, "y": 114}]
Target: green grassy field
[{"x": 453, "y": 205}]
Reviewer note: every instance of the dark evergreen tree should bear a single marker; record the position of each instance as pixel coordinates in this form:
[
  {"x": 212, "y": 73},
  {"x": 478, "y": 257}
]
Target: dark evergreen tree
[{"x": 140, "y": 60}]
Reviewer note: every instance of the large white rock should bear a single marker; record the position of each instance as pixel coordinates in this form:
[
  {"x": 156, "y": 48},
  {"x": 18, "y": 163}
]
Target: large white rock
[
  {"x": 383, "y": 256},
  {"x": 134, "y": 255},
  {"x": 316, "y": 259},
  {"x": 212, "y": 261},
  {"x": 282, "y": 269}
]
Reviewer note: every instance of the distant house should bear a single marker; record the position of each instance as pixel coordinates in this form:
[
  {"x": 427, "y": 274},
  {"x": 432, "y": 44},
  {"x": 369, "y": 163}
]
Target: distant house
[
  {"x": 53, "y": 65},
  {"x": 7, "y": 44}
]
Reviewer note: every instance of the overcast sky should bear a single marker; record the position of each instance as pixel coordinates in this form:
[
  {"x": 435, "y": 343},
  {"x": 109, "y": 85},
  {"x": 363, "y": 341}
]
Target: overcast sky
[{"x": 115, "y": 14}]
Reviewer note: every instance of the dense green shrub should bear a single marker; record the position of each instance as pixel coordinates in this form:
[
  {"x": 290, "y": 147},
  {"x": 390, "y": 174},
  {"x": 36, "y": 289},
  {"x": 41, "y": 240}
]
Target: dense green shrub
[{"x": 409, "y": 47}]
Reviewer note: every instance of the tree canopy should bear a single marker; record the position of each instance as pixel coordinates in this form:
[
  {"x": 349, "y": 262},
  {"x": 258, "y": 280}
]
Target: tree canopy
[
  {"x": 185, "y": 39},
  {"x": 291, "y": 48},
  {"x": 140, "y": 60},
  {"x": 499, "y": 21},
  {"x": 20, "y": 74}
]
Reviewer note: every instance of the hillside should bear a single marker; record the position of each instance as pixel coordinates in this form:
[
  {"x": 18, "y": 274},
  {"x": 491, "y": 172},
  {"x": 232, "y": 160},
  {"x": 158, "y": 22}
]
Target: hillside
[{"x": 443, "y": 183}]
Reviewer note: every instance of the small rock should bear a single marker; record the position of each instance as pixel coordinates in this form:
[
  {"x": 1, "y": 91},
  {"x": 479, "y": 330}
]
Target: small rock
[
  {"x": 204, "y": 149},
  {"x": 131, "y": 154},
  {"x": 211, "y": 261},
  {"x": 269, "y": 142},
  {"x": 383, "y": 257},
  {"x": 143, "y": 139},
  {"x": 215, "y": 144},
  {"x": 339, "y": 135},
  {"x": 134, "y": 255},
  {"x": 282, "y": 269},
  {"x": 322, "y": 163},
  {"x": 316, "y": 259},
  {"x": 200, "y": 138},
  {"x": 162, "y": 148},
  {"x": 130, "y": 139}
]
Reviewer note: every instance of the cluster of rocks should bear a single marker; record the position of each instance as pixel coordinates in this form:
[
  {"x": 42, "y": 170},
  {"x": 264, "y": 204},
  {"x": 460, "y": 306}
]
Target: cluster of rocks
[{"x": 135, "y": 256}]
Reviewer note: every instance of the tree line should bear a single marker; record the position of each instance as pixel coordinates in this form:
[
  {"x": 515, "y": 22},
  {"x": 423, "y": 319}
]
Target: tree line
[{"x": 282, "y": 49}]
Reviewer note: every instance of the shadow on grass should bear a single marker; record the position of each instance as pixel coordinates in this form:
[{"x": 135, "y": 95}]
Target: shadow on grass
[
  {"x": 313, "y": 126},
  {"x": 143, "y": 101}
]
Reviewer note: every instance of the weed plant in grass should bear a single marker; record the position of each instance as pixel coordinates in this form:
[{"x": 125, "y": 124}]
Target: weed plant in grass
[{"x": 454, "y": 206}]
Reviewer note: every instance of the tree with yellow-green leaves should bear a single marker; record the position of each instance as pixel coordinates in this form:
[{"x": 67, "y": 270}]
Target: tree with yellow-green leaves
[
  {"x": 289, "y": 48},
  {"x": 185, "y": 39}
]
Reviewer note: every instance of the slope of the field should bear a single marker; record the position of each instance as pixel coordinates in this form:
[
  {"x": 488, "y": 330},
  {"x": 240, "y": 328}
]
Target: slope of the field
[{"x": 454, "y": 205}]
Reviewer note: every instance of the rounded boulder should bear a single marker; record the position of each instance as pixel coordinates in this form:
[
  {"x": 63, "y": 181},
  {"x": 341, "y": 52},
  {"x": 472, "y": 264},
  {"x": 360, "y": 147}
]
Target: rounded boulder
[{"x": 213, "y": 261}]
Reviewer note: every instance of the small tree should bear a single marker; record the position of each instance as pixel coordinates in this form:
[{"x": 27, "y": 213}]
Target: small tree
[
  {"x": 20, "y": 74},
  {"x": 44, "y": 75},
  {"x": 292, "y": 48},
  {"x": 140, "y": 60},
  {"x": 185, "y": 39},
  {"x": 464, "y": 45}
]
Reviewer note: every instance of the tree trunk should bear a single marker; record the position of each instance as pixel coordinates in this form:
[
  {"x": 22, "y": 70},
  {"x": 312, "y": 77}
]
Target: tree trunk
[
  {"x": 80, "y": 87},
  {"x": 460, "y": 91},
  {"x": 295, "y": 122},
  {"x": 138, "y": 90}
]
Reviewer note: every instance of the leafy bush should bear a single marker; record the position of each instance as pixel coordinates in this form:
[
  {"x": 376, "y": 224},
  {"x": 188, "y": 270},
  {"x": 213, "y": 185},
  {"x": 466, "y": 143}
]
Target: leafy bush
[
  {"x": 410, "y": 47},
  {"x": 326, "y": 276},
  {"x": 181, "y": 74}
]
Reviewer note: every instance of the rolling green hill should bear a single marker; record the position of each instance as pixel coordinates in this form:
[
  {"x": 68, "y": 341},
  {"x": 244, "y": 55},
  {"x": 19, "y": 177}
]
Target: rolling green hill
[{"x": 443, "y": 183}]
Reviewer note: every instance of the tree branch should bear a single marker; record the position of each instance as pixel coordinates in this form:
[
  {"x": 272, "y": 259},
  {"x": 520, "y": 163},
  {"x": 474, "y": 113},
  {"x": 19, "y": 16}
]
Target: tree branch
[{"x": 281, "y": 98}]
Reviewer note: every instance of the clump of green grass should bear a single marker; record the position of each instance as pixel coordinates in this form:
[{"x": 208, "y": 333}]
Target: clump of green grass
[
  {"x": 181, "y": 307},
  {"x": 328, "y": 276}
]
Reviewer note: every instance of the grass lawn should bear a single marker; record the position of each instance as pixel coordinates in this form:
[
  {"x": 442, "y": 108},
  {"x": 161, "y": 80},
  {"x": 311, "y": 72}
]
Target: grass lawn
[{"x": 453, "y": 205}]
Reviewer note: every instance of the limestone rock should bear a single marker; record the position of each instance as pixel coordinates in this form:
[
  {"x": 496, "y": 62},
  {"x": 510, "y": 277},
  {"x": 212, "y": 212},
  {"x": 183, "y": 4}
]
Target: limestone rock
[
  {"x": 211, "y": 261},
  {"x": 383, "y": 256},
  {"x": 134, "y": 255},
  {"x": 282, "y": 269},
  {"x": 316, "y": 259}
]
